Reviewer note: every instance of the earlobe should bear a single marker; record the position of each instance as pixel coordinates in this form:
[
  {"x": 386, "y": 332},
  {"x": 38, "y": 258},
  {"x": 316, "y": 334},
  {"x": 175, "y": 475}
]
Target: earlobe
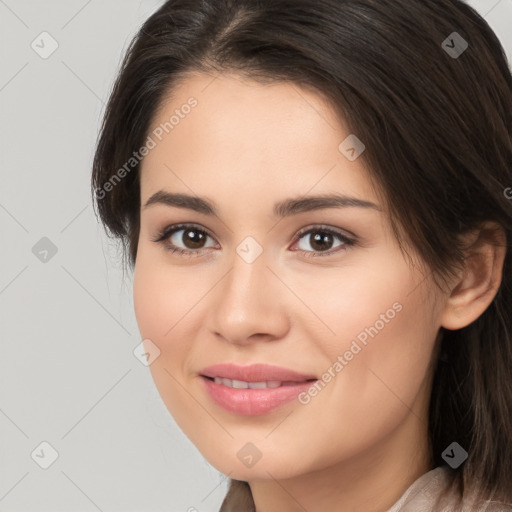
[{"x": 480, "y": 279}]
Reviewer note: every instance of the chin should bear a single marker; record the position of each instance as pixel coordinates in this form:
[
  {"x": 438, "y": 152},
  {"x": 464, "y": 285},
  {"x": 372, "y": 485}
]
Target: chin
[{"x": 263, "y": 469}]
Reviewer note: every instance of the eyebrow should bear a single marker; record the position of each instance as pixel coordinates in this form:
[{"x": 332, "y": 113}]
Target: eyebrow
[{"x": 281, "y": 209}]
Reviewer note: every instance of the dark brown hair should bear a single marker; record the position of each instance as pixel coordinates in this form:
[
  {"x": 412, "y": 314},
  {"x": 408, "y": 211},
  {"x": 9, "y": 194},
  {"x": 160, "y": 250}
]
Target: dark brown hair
[{"x": 437, "y": 129}]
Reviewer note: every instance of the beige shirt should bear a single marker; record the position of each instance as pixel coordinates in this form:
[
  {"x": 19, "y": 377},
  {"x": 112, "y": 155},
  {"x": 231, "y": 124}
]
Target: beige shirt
[{"x": 422, "y": 495}]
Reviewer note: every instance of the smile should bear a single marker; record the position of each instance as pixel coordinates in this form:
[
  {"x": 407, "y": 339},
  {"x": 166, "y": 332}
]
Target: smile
[
  {"x": 241, "y": 384},
  {"x": 252, "y": 398}
]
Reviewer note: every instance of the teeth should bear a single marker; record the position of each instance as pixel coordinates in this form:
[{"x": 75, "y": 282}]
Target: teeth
[
  {"x": 257, "y": 385},
  {"x": 241, "y": 384}
]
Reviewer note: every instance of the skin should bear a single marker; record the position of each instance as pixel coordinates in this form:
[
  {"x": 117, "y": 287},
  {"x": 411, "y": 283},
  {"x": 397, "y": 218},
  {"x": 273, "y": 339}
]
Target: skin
[{"x": 362, "y": 441}]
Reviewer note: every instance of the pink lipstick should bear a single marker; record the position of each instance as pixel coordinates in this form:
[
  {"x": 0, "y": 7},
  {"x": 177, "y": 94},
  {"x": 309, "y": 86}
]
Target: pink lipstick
[{"x": 254, "y": 389}]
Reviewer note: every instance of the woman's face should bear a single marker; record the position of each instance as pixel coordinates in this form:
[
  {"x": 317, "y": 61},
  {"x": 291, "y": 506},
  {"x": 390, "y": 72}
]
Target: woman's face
[{"x": 322, "y": 291}]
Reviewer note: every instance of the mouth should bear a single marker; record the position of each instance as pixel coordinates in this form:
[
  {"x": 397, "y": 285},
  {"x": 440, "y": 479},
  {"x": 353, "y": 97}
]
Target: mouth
[
  {"x": 242, "y": 384},
  {"x": 263, "y": 375},
  {"x": 253, "y": 390}
]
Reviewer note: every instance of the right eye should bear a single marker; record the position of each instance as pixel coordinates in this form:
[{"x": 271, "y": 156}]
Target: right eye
[{"x": 191, "y": 235}]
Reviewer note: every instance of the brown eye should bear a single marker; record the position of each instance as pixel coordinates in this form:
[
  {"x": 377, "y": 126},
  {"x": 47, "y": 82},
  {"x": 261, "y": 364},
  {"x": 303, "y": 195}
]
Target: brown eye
[
  {"x": 321, "y": 241},
  {"x": 193, "y": 238},
  {"x": 189, "y": 236}
]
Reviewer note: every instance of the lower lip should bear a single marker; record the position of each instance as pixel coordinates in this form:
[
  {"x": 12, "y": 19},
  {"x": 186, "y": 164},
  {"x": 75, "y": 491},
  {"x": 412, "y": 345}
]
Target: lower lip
[{"x": 251, "y": 402}]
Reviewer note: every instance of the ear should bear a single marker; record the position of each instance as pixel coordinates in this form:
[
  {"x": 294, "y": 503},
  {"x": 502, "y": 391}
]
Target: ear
[{"x": 480, "y": 279}]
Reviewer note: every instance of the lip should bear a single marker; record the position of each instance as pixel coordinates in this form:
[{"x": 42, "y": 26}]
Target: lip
[
  {"x": 252, "y": 402},
  {"x": 255, "y": 373}
]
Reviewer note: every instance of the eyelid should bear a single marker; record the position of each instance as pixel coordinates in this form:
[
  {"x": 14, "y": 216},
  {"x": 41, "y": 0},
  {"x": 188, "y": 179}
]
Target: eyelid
[
  {"x": 172, "y": 228},
  {"x": 338, "y": 231}
]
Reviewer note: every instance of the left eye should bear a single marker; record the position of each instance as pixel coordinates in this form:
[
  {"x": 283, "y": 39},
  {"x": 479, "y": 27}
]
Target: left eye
[
  {"x": 193, "y": 238},
  {"x": 322, "y": 238}
]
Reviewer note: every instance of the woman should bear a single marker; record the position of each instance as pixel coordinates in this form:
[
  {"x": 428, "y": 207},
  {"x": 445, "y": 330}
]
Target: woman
[{"x": 314, "y": 196}]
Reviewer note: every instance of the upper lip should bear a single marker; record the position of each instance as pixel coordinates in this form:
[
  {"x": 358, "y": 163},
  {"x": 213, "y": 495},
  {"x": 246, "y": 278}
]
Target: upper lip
[{"x": 254, "y": 373}]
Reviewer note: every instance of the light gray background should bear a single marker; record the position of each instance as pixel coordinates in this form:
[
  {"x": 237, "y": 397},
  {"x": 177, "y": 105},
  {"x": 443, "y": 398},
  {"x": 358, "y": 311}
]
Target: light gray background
[{"x": 68, "y": 375}]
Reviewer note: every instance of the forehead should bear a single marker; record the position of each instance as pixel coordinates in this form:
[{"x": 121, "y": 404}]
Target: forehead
[{"x": 241, "y": 133}]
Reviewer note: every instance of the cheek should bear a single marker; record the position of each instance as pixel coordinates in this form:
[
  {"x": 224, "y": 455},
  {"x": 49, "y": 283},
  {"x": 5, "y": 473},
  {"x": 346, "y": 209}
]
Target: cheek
[
  {"x": 160, "y": 309},
  {"x": 167, "y": 302},
  {"x": 383, "y": 327},
  {"x": 356, "y": 301},
  {"x": 388, "y": 356},
  {"x": 161, "y": 297},
  {"x": 149, "y": 298},
  {"x": 381, "y": 380}
]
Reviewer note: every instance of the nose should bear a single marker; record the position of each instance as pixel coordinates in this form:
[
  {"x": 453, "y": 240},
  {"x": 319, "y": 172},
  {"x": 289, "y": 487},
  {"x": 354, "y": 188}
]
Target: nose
[{"x": 249, "y": 304}]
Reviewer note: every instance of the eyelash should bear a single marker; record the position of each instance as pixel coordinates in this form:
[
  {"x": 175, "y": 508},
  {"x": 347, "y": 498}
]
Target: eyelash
[{"x": 168, "y": 231}]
